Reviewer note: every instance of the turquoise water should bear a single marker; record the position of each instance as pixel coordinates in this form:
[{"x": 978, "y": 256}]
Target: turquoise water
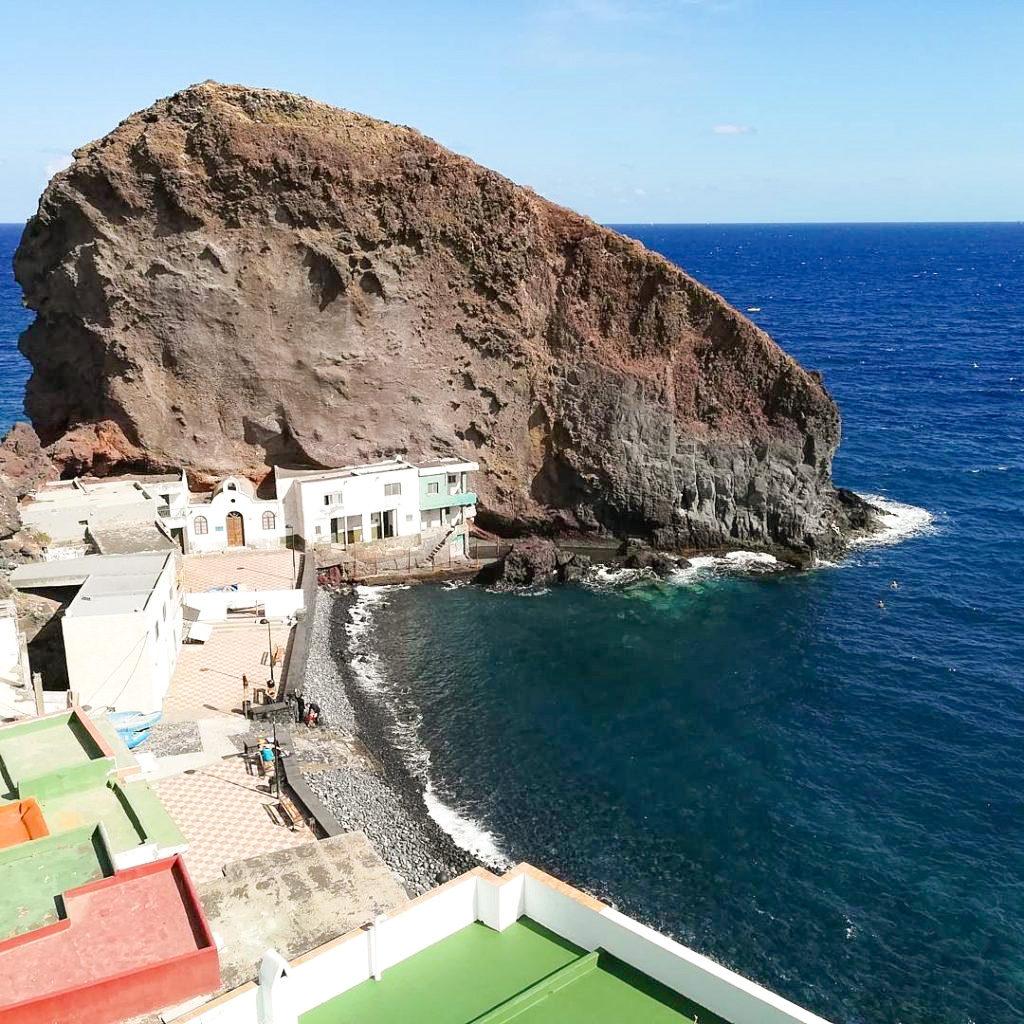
[{"x": 822, "y": 794}]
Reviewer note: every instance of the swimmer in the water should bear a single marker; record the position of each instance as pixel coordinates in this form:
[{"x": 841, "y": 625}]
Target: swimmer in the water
[{"x": 895, "y": 585}]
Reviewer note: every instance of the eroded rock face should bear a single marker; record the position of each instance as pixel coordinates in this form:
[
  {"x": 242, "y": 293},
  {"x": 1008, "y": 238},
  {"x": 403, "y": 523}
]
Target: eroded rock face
[
  {"x": 236, "y": 278},
  {"x": 24, "y": 466}
]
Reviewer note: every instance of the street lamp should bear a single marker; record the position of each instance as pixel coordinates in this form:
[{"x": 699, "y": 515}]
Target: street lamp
[{"x": 270, "y": 649}]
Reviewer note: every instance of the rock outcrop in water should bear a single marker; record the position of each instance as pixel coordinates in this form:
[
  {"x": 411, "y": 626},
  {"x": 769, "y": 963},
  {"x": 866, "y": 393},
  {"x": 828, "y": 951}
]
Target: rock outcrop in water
[{"x": 237, "y": 278}]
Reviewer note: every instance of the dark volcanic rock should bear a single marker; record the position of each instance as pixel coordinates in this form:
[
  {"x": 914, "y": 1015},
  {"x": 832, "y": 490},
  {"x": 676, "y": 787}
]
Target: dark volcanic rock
[
  {"x": 236, "y": 278},
  {"x": 531, "y": 561},
  {"x": 640, "y": 556}
]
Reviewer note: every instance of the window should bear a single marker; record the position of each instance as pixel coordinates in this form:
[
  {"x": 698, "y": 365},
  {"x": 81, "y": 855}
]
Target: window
[
  {"x": 433, "y": 488},
  {"x": 200, "y": 526},
  {"x": 392, "y": 490},
  {"x": 269, "y": 521},
  {"x": 453, "y": 478},
  {"x": 333, "y": 499}
]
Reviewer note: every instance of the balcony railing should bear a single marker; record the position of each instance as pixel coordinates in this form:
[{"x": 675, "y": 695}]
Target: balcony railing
[{"x": 431, "y": 501}]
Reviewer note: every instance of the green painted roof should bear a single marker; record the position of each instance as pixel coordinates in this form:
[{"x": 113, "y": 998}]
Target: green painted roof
[
  {"x": 36, "y": 873},
  {"x": 525, "y": 974},
  {"x": 44, "y": 745}
]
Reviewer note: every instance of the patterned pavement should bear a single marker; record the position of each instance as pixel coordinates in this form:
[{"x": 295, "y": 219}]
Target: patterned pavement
[
  {"x": 253, "y": 570},
  {"x": 225, "y": 814},
  {"x": 208, "y": 677}
]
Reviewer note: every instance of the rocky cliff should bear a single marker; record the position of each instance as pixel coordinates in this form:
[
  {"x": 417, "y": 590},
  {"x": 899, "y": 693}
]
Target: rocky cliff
[{"x": 237, "y": 277}]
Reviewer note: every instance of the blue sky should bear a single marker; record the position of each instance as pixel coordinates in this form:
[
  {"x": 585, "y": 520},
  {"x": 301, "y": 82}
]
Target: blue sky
[{"x": 628, "y": 110}]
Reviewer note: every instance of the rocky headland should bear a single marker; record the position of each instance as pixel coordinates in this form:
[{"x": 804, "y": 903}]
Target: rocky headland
[{"x": 236, "y": 278}]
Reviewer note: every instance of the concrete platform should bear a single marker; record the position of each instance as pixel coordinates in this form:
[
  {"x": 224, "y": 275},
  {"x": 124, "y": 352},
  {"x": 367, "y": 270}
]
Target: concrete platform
[{"x": 295, "y": 900}]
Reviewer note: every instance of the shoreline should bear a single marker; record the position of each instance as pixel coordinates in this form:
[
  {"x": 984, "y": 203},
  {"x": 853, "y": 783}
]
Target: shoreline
[
  {"x": 378, "y": 795},
  {"x": 381, "y": 793}
]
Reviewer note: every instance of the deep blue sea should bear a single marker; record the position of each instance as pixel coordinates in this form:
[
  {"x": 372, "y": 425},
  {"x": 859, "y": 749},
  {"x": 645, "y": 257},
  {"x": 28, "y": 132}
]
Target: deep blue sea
[
  {"x": 14, "y": 318},
  {"x": 823, "y": 794}
]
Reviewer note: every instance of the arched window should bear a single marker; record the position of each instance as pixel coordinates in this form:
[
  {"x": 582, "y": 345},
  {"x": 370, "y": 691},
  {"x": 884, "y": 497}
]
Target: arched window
[
  {"x": 199, "y": 525},
  {"x": 269, "y": 521}
]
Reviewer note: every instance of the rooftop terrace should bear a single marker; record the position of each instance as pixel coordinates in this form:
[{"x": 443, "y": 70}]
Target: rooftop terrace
[
  {"x": 37, "y": 873},
  {"x": 128, "y": 942},
  {"x": 526, "y": 973},
  {"x": 50, "y": 744}
]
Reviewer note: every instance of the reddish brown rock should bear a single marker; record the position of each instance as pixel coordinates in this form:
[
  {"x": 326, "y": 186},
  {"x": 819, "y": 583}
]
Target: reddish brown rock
[
  {"x": 23, "y": 463},
  {"x": 237, "y": 277}
]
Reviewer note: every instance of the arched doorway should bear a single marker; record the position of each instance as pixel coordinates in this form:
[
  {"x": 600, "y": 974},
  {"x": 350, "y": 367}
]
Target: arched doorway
[{"x": 236, "y": 530}]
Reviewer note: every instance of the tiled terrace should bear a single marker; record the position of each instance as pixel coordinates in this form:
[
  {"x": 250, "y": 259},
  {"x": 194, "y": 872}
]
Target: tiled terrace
[
  {"x": 208, "y": 677},
  {"x": 252, "y": 570},
  {"x": 226, "y": 815}
]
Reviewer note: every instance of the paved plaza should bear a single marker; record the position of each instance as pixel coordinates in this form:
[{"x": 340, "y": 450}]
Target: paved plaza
[
  {"x": 251, "y": 570},
  {"x": 226, "y": 815}
]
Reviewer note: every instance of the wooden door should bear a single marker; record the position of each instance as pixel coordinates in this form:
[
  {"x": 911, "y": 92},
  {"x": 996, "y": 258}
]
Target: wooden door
[{"x": 236, "y": 530}]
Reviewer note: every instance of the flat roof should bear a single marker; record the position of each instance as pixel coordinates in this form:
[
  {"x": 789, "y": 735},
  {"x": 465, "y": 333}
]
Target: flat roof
[
  {"x": 40, "y": 871},
  {"x": 109, "y": 584},
  {"x": 528, "y": 972},
  {"x": 358, "y": 469},
  {"x": 465, "y": 465},
  {"x": 117, "y": 929},
  {"x": 133, "y": 539},
  {"x": 52, "y": 743}
]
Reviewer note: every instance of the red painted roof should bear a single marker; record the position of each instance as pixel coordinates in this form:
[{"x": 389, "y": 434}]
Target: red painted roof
[{"x": 134, "y": 942}]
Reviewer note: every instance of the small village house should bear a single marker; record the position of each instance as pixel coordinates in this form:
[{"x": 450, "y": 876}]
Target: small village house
[
  {"x": 232, "y": 516},
  {"x": 391, "y": 503}
]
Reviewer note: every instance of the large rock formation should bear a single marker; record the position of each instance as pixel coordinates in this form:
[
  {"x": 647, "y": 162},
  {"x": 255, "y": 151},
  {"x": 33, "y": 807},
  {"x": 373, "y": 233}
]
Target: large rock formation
[{"x": 237, "y": 277}]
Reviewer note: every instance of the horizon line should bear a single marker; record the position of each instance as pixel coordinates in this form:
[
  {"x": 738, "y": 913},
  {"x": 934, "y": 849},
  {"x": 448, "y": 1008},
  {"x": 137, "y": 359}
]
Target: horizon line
[{"x": 742, "y": 223}]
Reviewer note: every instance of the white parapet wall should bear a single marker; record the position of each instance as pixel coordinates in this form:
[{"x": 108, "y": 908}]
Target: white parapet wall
[
  {"x": 352, "y": 959},
  {"x": 215, "y": 605}
]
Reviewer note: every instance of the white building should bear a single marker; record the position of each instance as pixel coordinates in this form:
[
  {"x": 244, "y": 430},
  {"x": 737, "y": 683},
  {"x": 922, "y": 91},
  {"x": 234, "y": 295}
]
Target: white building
[
  {"x": 391, "y": 502},
  {"x": 232, "y": 516},
  {"x": 118, "y": 515},
  {"x": 121, "y": 626}
]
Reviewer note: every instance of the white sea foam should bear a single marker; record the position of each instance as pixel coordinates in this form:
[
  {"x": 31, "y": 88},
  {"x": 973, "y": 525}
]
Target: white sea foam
[
  {"x": 900, "y": 522},
  {"x": 750, "y": 558},
  {"x": 466, "y": 833},
  {"x": 404, "y": 728}
]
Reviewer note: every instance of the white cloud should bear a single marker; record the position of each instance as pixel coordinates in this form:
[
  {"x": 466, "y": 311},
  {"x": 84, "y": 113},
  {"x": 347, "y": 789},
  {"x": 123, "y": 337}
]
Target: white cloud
[
  {"x": 58, "y": 163},
  {"x": 639, "y": 191},
  {"x": 733, "y": 129}
]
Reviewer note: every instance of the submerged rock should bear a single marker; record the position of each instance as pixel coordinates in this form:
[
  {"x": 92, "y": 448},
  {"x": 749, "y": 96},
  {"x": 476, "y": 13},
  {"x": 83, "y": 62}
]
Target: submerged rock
[{"x": 237, "y": 278}]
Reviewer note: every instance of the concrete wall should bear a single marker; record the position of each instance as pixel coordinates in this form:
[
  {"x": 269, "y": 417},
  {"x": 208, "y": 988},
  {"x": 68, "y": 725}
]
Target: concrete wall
[
  {"x": 215, "y": 605},
  {"x": 234, "y": 499}
]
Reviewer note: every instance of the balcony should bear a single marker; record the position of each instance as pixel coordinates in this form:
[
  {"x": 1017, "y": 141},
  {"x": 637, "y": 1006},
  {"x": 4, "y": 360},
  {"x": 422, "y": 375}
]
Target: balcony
[{"x": 431, "y": 501}]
